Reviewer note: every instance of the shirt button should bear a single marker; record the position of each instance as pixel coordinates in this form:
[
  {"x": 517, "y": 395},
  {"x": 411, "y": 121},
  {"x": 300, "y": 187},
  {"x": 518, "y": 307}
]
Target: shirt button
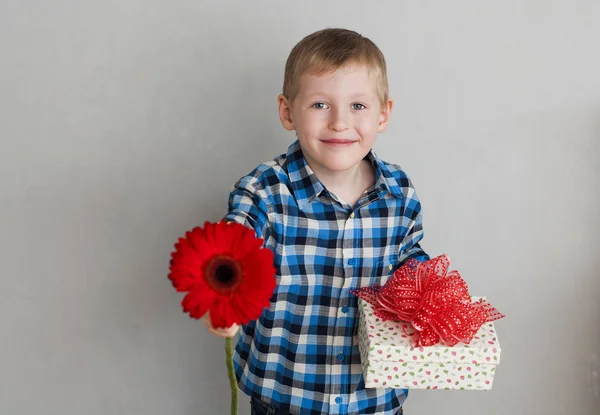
[
  {"x": 341, "y": 357},
  {"x": 338, "y": 400},
  {"x": 352, "y": 215},
  {"x": 344, "y": 309},
  {"x": 351, "y": 261},
  {"x": 390, "y": 267}
]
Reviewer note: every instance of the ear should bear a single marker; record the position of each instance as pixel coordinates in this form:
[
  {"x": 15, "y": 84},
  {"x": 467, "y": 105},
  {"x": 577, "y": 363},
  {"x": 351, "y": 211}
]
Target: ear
[
  {"x": 384, "y": 116},
  {"x": 285, "y": 113}
]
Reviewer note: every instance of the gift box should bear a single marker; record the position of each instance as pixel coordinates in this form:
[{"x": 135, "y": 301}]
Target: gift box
[{"x": 390, "y": 358}]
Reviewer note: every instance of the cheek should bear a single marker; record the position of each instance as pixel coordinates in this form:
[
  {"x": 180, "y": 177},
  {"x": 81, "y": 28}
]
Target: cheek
[
  {"x": 311, "y": 121},
  {"x": 367, "y": 124}
]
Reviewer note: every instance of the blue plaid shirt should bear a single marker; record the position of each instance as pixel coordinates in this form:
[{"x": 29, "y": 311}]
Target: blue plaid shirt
[{"x": 302, "y": 354}]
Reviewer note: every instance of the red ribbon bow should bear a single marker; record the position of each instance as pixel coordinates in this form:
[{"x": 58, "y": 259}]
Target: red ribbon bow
[{"x": 435, "y": 301}]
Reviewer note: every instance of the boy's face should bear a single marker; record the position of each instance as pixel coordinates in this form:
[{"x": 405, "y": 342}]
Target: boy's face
[{"x": 336, "y": 117}]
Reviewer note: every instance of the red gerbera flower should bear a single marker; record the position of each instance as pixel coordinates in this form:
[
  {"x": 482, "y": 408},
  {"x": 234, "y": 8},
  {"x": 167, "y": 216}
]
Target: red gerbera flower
[{"x": 225, "y": 270}]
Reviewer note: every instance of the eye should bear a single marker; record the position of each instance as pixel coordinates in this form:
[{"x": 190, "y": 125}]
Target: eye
[
  {"x": 358, "y": 107},
  {"x": 320, "y": 105}
]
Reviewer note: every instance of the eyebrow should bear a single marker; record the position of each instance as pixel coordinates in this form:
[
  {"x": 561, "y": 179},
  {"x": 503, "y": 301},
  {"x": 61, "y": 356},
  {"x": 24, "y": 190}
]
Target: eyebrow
[
  {"x": 352, "y": 97},
  {"x": 361, "y": 95}
]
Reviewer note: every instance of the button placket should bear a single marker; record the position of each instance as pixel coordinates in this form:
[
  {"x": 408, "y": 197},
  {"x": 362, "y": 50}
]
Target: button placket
[{"x": 349, "y": 261}]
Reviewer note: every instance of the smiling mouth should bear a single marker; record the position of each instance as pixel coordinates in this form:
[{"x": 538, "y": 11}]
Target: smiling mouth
[{"x": 338, "y": 142}]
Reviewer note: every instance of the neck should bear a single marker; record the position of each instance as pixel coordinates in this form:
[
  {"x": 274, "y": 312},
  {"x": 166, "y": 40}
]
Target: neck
[
  {"x": 348, "y": 185},
  {"x": 333, "y": 180}
]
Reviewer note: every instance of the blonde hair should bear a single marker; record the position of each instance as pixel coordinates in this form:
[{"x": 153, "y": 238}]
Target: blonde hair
[{"x": 328, "y": 50}]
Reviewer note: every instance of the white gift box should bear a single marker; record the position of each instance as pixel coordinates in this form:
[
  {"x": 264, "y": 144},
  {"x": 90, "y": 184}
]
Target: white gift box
[{"x": 389, "y": 359}]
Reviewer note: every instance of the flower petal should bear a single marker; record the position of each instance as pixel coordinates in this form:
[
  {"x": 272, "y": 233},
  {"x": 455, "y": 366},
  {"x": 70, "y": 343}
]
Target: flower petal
[
  {"x": 259, "y": 267},
  {"x": 199, "y": 299},
  {"x": 245, "y": 242},
  {"x": 201, "y": 243},
  {"x": 220, "y": 313},
  {"x": 184, "y": 281},
  {"x": 212, "y": 237},
  {"x": 198, "y": 311}
]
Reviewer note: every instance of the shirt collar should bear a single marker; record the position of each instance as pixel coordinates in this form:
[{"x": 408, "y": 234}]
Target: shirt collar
[
  {"x": 304, "y": 182},
  {"x": 385, "y": 182},
  {"x": 306, "y": 186}
]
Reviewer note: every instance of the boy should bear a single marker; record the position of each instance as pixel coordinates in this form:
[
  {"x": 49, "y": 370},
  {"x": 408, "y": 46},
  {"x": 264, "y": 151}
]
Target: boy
[{"x": 337, "y": 218}]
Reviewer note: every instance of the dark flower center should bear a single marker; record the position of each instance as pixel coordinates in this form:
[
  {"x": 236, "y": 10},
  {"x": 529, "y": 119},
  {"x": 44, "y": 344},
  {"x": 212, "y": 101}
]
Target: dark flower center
[{"x": 223, "y": 274}]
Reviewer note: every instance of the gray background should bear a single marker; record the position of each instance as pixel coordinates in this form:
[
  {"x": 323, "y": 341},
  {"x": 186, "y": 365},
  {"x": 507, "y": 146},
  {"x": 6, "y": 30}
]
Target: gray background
[{"x": 124, "y": 123}]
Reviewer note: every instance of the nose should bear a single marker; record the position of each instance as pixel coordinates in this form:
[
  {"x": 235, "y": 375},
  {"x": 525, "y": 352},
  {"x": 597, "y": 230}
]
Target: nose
[{"x": 338, "y": 120}]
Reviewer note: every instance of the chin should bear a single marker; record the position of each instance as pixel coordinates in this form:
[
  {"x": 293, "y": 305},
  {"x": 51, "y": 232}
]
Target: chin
[{"x": 340, "y": 165}]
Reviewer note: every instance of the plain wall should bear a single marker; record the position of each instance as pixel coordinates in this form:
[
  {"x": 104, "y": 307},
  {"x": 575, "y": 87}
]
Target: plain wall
[{"x": 124, "y": 123}]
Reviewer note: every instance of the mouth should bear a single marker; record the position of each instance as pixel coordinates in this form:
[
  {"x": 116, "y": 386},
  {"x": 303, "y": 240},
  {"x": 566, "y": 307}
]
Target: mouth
[{"x": 338, "y": 142}]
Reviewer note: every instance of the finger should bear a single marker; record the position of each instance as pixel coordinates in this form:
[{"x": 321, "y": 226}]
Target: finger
[
  {"x": 222, "y": 333},
  {"x": 229, "y": 331}
]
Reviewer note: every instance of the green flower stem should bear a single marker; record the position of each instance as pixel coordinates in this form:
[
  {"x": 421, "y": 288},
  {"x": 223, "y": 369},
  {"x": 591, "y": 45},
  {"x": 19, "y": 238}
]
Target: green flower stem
[{"x": 232, "y": 380}]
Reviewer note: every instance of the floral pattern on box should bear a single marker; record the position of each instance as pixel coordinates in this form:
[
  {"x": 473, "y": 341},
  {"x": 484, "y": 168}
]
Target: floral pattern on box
[{"x": 389, "y": 359}]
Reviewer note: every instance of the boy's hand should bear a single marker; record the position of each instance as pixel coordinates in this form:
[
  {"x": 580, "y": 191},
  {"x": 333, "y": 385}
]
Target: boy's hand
[{"x": 228, "y": 332}]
